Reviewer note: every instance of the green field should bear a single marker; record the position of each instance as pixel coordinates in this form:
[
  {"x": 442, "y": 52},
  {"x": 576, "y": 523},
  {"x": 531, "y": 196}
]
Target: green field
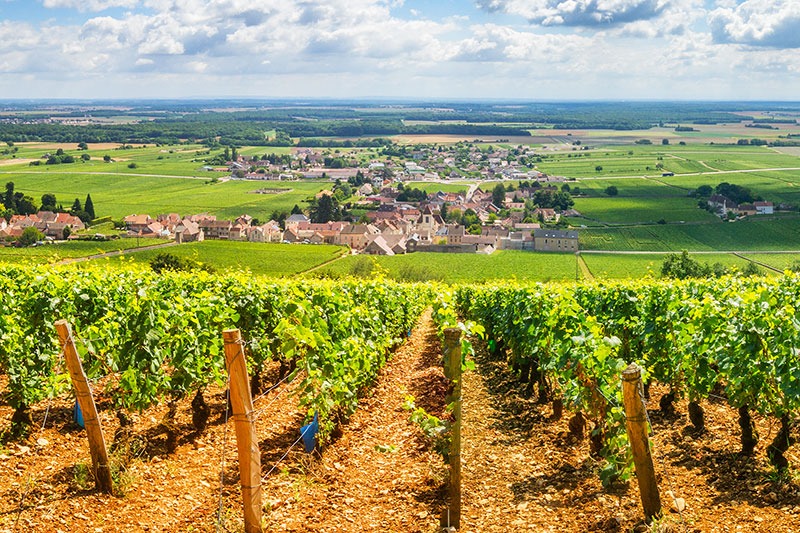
[
  {"x": 432, "y": 187},
  {"x": 455, "y": 268},
  {"x": 53, "y": 253},
  {"x": 120, "y": 195},
  {"x": 622, "y": 266},
  {"x": 779, "y": 261},
  {"x": 641, "y": 160},
  {"x": 178, "y": 160},
  {"x": 647, "y": 210},
  {"x": 171, "y": 179},
  {"x": 259, "y": 258},
  {"x": 782, "y": 233}
]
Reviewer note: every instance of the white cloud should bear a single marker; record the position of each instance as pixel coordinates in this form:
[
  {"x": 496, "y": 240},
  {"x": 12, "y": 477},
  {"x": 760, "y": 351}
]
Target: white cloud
[
  {"x": 770, "y": 23},
  {"x": 591, "y": 13},
  {"x": 492, "y": 42},
  {"x": 90, "y": 5},
  {"x": 573, "y": 49}
]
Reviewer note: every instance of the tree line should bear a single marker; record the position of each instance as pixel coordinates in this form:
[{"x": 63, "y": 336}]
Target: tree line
[{"x": 18, "y": 203}]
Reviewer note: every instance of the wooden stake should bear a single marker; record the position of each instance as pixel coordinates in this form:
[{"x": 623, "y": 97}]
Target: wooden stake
[
  {"x": 97, "y": 444},
  {"x": 246, "y": 439},
  {"x": 452, "y": 371},
  {"x": 636, "y": 424}
]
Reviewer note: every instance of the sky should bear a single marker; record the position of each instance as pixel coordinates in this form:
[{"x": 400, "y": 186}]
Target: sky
[{"x": 401, "y": 49}]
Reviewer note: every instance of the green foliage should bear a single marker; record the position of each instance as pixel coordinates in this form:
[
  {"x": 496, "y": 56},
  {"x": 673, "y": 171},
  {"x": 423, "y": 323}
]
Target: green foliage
[
  {"x": 325, "y": 209},
  {"x": 161, "y": 333},
  {"x": 499, "y": 195},
  {"x": 167, "y": 261},
  {"x": 30, "y": 235},
  {"x": 681, "y": 266},
  {"x": 693, "y": 336},
  {"x": 436, "y": 430}
]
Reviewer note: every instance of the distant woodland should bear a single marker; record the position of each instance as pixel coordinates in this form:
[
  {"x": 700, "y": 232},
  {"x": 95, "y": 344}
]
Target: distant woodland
[{"x": 283, "y": 123}]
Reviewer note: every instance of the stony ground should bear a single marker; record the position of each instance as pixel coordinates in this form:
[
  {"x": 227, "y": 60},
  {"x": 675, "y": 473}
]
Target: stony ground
[{"x": 521, "y": 471}]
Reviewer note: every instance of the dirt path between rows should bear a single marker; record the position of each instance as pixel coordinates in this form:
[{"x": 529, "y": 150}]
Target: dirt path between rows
[
  {"x": 379, "y": 475},
  {"x": 523, "y": 472}
]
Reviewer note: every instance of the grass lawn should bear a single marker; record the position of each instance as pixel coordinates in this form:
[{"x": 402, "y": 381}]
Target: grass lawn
[
  {"x": 259, "y": 258},
  {"x": 458, "y": 268}
]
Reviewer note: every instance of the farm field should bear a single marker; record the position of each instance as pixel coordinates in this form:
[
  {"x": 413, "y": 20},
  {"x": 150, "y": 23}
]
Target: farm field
[
  {"x": 779, "y": 261},
  {"x": 643, "y": 210},
  {"x": 268, "y": 259},
  {"x": 121, "y": 195},
  {"x": 173, "y": 160},
  {"x": 523, "y": 459},
  {"x": 634, "y": 160},
  {"x": 751, "y": 235},
  {"x": 457, "y": 268},
  {"x": 775, "y": 186},
  {"x": 432, "y": 187},
  {"x": 53, "y": 253},
  {"x": 634, "y": 266}
]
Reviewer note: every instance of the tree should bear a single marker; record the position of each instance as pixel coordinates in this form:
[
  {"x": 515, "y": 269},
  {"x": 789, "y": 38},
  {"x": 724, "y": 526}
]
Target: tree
[
  {"x": 8, "y": 199},
  {"x": 86, "y": 157},
  {"x": 751, "y": 269},
  {"x": 326, "y": 209},
  {"x": 499, "y": 195},
  {"x": 343, "y": 191},
  {"x": 296, "y": 210},
  {"x": 48, "y": 202},
  {"x": 88, "y": 206},
  {"x": 25, "y": 205},
  {"x": 549, "y": 198},
  {"x": 598, "y": 168},
  {"x": 132, "y": 165},
  {"x": 612, "y": 190},
  {"x": 167, "y": 261},
  {"x": 665, "y": 141},
  {"x": 107, "y": 158},
  {"x": 29, "y": 236},
  {"x": 703, "y": 191},
  {"x": 83, "y": 146},
  {"x": 474, "y": 229},
  {"x": 76, "y": 206},
  {"x": 681, "y": 266}
]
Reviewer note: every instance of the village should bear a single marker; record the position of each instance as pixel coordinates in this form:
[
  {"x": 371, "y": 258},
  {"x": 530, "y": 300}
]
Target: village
[
  {"x": 385, "y": 214},
  {"x": 391, "y": 224},
  {"x": 392, "y": 227}
]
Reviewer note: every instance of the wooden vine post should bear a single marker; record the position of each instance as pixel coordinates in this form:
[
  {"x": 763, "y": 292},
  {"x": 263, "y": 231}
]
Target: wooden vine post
[
  {"x": 636, "y": 424},
  {"x": 97, "y": 444},
  {"x": 452, "y": 371},
  {"x": 246, "y": 439}
]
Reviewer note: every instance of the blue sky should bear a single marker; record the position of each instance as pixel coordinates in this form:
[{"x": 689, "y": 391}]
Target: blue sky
[{"x": 437, "y": 49}]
